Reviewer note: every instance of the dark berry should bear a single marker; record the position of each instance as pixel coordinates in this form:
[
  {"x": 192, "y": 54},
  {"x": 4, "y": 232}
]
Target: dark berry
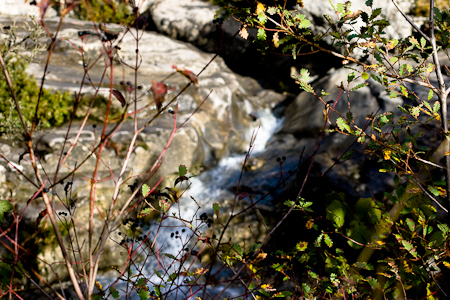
[
  {"x": 176, "y": 232},
  {"x": 94, "y": 125},
  {"x": 278, "y": 159},
  {"x": 183, "y": 230},
  {"x": 119, "y": 233},
  {"x": 283, "y": 158},
  {"x": 172, "y": 234},
  {"x": 45, "y": 190}
]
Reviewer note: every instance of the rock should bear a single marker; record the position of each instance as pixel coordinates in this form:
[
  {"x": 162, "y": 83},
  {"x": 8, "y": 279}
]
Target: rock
[
  {"x": 219, "y": 127},
  {"x": 304, "y": 117},
  {"x": 21, "y": 8},
  {"x": 314, "y": 10}
]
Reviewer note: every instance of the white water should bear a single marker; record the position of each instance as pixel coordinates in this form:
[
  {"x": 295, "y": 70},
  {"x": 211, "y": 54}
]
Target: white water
[{"x": 209, "y": 187}]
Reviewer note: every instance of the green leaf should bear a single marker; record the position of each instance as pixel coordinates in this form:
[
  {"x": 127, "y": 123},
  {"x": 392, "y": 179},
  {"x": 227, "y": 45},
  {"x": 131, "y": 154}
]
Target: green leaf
[
  {"x": 304, "y": 24},
  {"x": 369, "y": 3},
  {"x": 411, "y": 224},
  {"x": 393, "y": 95},
  {"x": 145, "y": 212},
  {"x": 261, "y": 34},
  {"x": 5, "y": 206},
  {"x": 350, "y": 77},
  {"x": 182, "y": 170},
  {"x": 433, "y": 190},
  {"x": 430, "y": 94},
  {"x": 262, "y": 18},
  {"x": 114, "y": 293},
  {"x": 404, "y": 91},
  {"x": 170, "y": 256},
  {"x": 336, "y": 213},
  {"x": 423, "y": 42},
  {"x": 157, "y": 291},
  {"x": 340, "y": 8},
  {"x": 172, "y": 276},
  {"x": 374, "y": 283},
  {"x": 361, "y": 85},
  {"x": 376, "y": 78},
  {"x": 410, "y": 248},
  {"x": 436, "y": 106},
  {"x": 283, "y": 294},
  {"x": 328, "y": 240},
  {"x": 145, "y": 190},
  {"x": 216, "y": 208},
  {"x": 375, "y": 13},
  {"x": 444, "y": 228},
  {"x": 343, "y": 125},
  {"x": 144, "y": 294},
  {"x": 365, "y": 76},
  {"x": 237, "y": 251},
  {"x": 378, "y": 57},
  {"x": 363, "y": 265}
]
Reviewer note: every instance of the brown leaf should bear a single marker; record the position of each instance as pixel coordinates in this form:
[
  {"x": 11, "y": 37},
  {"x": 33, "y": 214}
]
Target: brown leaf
[
  {"x": 188, "y": 74},
  {"x": 42, "y": 214},
  {"x": 119, "y": 97}
]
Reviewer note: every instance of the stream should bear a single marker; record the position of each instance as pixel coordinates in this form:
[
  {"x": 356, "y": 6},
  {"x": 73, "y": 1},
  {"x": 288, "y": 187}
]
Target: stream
[{"x": 211, "y": 186}]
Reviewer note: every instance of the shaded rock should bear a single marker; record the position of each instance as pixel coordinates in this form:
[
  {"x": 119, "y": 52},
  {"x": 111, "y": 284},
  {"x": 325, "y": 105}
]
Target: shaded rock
[{"x": 314, "y": 10}]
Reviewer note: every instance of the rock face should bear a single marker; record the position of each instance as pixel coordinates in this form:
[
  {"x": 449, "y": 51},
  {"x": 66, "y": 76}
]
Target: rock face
[{"x": 219, "y": 127}]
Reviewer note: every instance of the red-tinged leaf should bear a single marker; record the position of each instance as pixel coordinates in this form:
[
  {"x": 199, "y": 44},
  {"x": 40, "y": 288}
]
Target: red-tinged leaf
[
  {"x": 43, "y": 6},
  {"x": 243, "y": 195},
  {"x": 159, "y": 91},
  {"x": 42, "y": 214},
  {"x": 188, "y": 74},
  {"x": 119, "y": 97}
]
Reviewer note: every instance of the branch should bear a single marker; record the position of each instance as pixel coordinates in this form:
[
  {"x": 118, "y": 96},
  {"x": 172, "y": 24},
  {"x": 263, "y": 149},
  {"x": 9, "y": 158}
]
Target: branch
[{"x": 411, "y": 22}]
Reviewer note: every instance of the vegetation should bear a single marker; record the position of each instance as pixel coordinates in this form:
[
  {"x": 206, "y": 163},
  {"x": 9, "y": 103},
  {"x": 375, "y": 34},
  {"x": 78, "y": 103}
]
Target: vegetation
[{"x": 401, "y": 240}]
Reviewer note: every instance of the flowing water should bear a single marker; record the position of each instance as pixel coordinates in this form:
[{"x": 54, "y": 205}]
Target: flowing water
[{"x": 212, "y": 186}]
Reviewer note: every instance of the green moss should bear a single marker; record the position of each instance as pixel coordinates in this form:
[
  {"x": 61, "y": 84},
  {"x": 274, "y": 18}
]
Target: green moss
[
  {"x": 54, "y": 109},
  {"x": 117, "y": 12}
]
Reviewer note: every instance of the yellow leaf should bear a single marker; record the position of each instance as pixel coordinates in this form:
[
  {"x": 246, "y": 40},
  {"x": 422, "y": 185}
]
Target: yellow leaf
[
  {"x": 387, "y": 154},
  {"x": 275, "y": 40},
  {"x": 309, "y": 224},
  {"x": 200, "y": 271},
  {"x": 442, "y": 192},
  {"x": 260, "y": 8},
  {"x": 446, "y": 263},
  {"x": 261, "y": 255}
]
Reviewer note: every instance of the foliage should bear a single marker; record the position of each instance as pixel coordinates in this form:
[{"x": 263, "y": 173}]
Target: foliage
[
  {"x": 105, "y": 11},
  {"x": 403, "y": 229},
  {"x": 394, "y": 246}
]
